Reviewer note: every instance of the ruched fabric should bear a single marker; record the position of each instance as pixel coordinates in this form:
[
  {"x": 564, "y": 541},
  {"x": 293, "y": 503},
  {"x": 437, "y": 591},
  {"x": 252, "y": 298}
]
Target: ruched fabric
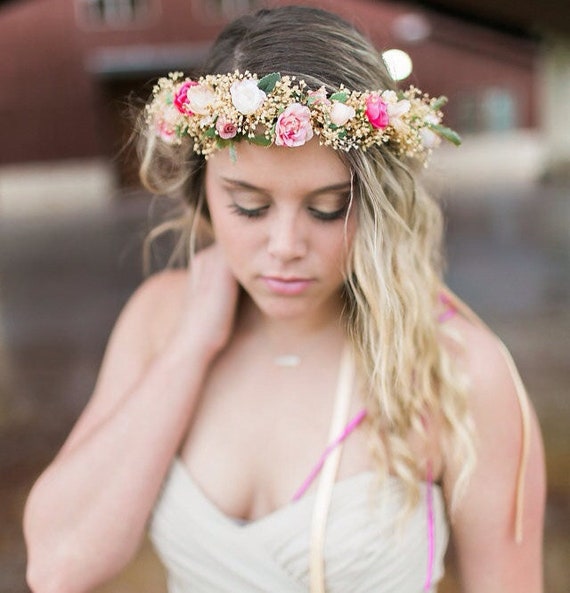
[{"x": 368, "y": 547}]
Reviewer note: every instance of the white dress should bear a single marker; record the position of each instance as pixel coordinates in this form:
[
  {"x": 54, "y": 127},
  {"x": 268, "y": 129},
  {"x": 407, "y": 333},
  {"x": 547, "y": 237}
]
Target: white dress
[{"x": 367, "y": 550}]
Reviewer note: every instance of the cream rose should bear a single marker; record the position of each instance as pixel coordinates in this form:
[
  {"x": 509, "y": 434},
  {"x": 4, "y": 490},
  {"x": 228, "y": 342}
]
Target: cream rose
[
  {"x": 247, "y": 97},
  {"x": 428, "y": 137},
  {"x": 200, "y": 98},
  {"x": 340, "y": 113}
]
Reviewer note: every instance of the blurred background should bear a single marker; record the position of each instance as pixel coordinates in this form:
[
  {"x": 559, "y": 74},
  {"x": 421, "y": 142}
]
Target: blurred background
[{"x": 73, "y": 217}]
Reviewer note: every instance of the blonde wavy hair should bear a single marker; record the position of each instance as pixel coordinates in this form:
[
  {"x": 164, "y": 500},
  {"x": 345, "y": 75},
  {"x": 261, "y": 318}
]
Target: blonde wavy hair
[{"x": 394, "y": 275}]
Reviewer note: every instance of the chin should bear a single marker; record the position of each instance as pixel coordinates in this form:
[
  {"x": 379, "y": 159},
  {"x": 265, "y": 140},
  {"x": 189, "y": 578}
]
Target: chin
[
  {"x": 284, "y": 310},
  {"x": 291, "y": 308}
]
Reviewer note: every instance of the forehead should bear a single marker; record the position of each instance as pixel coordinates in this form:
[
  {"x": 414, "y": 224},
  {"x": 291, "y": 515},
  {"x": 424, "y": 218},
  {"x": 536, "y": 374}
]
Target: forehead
[{"x": 309, "y": 166}]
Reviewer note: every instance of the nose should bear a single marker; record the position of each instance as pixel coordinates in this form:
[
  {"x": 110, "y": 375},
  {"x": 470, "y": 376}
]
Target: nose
[{"x": 287, "y": 237}]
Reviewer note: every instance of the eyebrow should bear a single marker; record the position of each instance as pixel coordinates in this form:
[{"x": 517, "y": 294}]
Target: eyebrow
[{"x": 335, "y": 187}]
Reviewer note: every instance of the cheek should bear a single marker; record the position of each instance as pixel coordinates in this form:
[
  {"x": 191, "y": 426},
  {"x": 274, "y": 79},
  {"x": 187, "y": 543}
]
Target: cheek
[{"x": 231, "y": 233}]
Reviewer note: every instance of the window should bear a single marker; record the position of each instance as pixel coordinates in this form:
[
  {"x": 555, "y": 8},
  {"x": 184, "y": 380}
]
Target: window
[
  {"x": 492, "y": 109},
  {"x": 114, "y": 13},
  {"x": 223, "y": 10}
]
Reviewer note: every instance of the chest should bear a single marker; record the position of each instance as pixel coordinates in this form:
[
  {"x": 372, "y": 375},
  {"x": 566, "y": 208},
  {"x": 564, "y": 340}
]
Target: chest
[{"x": 257, "y": 435}]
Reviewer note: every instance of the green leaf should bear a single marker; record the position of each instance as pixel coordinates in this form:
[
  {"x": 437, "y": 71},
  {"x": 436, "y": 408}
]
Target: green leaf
[
  {"x": 260, "y": 140},
  {"x": 439, "y": 103},
  {"x": 447, "y": 133},
  {"x": 210, "y": 133},
  {"x": 221, "y": 143},
  {"x": 233, "y": 152},
  {"x": 268, "y": 82},
  {"x": 340, "y": 97}
]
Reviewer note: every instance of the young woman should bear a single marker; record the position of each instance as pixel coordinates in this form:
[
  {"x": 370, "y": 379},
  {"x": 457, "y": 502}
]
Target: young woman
[{"x": 312, "y": 320}]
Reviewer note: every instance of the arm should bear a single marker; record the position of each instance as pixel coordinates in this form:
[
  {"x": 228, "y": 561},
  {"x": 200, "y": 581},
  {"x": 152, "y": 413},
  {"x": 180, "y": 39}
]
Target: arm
[
  {"x": 483, "y": 527},
  {"x": 87, "y": 512}
]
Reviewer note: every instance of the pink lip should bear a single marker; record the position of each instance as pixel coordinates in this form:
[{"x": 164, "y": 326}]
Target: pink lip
[{"x": 286, "y": 286}]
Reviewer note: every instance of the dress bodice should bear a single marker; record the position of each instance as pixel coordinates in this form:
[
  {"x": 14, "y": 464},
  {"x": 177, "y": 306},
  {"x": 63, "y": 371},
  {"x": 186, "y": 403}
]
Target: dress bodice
[{"x": 368, "y": 546}]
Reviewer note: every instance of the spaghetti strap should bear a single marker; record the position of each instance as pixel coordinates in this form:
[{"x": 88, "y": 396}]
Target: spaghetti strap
[
  {"x": 329, "y": 471},
  {"x": 430, "y": 528},
  {"x": 330, "y": 459},
  {"x": 449, "y": 312},
  {"x": 352, "y": 425},
  {"x": 525, "y": 447}
]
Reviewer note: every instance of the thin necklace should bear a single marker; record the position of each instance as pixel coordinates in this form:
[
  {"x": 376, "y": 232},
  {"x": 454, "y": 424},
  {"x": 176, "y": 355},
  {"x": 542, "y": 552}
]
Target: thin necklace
[
  {"x": 294, "y": 359},
  {"x": 287, "y": 360}
]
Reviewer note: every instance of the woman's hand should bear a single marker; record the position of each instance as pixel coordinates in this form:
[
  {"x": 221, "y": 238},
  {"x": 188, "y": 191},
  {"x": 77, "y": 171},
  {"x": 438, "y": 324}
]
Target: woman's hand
[{"x": 210, "y": 301}]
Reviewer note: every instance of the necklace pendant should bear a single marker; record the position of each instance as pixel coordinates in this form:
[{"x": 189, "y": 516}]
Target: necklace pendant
[{"x": 287, "y": 360}]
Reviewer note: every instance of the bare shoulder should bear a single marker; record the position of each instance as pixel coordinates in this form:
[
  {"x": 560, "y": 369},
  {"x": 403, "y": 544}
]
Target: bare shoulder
[
  {"x": 508, "y": 480},
  {"x": 162, "y": 297},
  {"x": 139, "y": 333},
  {"x": 494, "y": 401},
  {"x": 482, "y": 356},
  {"x": 148, "y": 317}
]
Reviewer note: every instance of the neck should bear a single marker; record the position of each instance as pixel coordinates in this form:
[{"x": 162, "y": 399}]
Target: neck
[
  {"x": 291, "y": 329},
  {"x": 291, "y": 339}
]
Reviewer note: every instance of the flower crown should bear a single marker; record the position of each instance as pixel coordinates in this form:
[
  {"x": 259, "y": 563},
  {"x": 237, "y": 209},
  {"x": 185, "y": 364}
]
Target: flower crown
[{"x": 217, "y": 110}]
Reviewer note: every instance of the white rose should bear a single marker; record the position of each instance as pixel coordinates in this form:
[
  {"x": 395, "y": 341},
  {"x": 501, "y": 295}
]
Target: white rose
[
  {"x": 390, "y": 97},
  {"x": 432, "y": 118},
  {"x": 200, "y": 98},
  {"x": 171, "y": 116},
  {"x": 247, "y": 97},
  {"x": 206, "y": 121},
  {"x": 429, "y": 138},
  {"x": 398, "y": 109},
  {"x": 340, "y": 113}
]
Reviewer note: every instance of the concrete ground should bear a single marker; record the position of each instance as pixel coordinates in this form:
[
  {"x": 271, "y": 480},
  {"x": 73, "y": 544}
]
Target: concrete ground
[{"x": 63, "y": 283}]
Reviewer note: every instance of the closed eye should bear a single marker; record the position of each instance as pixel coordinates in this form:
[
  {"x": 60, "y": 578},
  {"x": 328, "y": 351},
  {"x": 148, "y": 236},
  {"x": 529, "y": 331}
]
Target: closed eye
[
  {"x": 248, "y": 212},
  {"x": 328, "y": 216}
]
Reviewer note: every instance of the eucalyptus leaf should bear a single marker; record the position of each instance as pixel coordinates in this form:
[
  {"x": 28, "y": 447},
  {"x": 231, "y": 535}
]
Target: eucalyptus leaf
[
  {"x": 439, "y": 103},
  {"x": 210, "y": 133},
  {"x": 447, "y": 133},
  {"x": 268, "y": 82},
  {"x": 233, "y": 152},
  {"x": 260, "y": 140},
  {"x": 221, "y": 143},
  {"x": 341, "y": 97}
]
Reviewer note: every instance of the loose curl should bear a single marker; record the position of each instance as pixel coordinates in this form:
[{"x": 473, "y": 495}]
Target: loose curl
[{"x": 394, "y": 274}]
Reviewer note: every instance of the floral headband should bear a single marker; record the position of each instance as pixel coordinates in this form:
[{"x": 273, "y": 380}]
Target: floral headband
[{"x": 217, "y": 110}]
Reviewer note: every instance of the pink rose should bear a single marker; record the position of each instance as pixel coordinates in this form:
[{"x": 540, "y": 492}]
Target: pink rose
[
  {"x": 377, "y": 111},
  {"x": 319, "y": 96},
  {"x": 226, "y": 128},
  {"x": 165, "y": 132},
  {"x": 293, "y": 127},
  {"x": 166, "y": 125},
  {"x": 181, "y": 97}
]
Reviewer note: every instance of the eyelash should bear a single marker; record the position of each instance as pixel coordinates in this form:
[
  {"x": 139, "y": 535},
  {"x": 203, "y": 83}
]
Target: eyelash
[{"x": 317, "y": 214}]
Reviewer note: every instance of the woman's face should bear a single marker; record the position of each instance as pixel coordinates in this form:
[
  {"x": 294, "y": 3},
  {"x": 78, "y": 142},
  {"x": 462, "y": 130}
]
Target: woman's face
[{"x": 282, "y": 218}]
